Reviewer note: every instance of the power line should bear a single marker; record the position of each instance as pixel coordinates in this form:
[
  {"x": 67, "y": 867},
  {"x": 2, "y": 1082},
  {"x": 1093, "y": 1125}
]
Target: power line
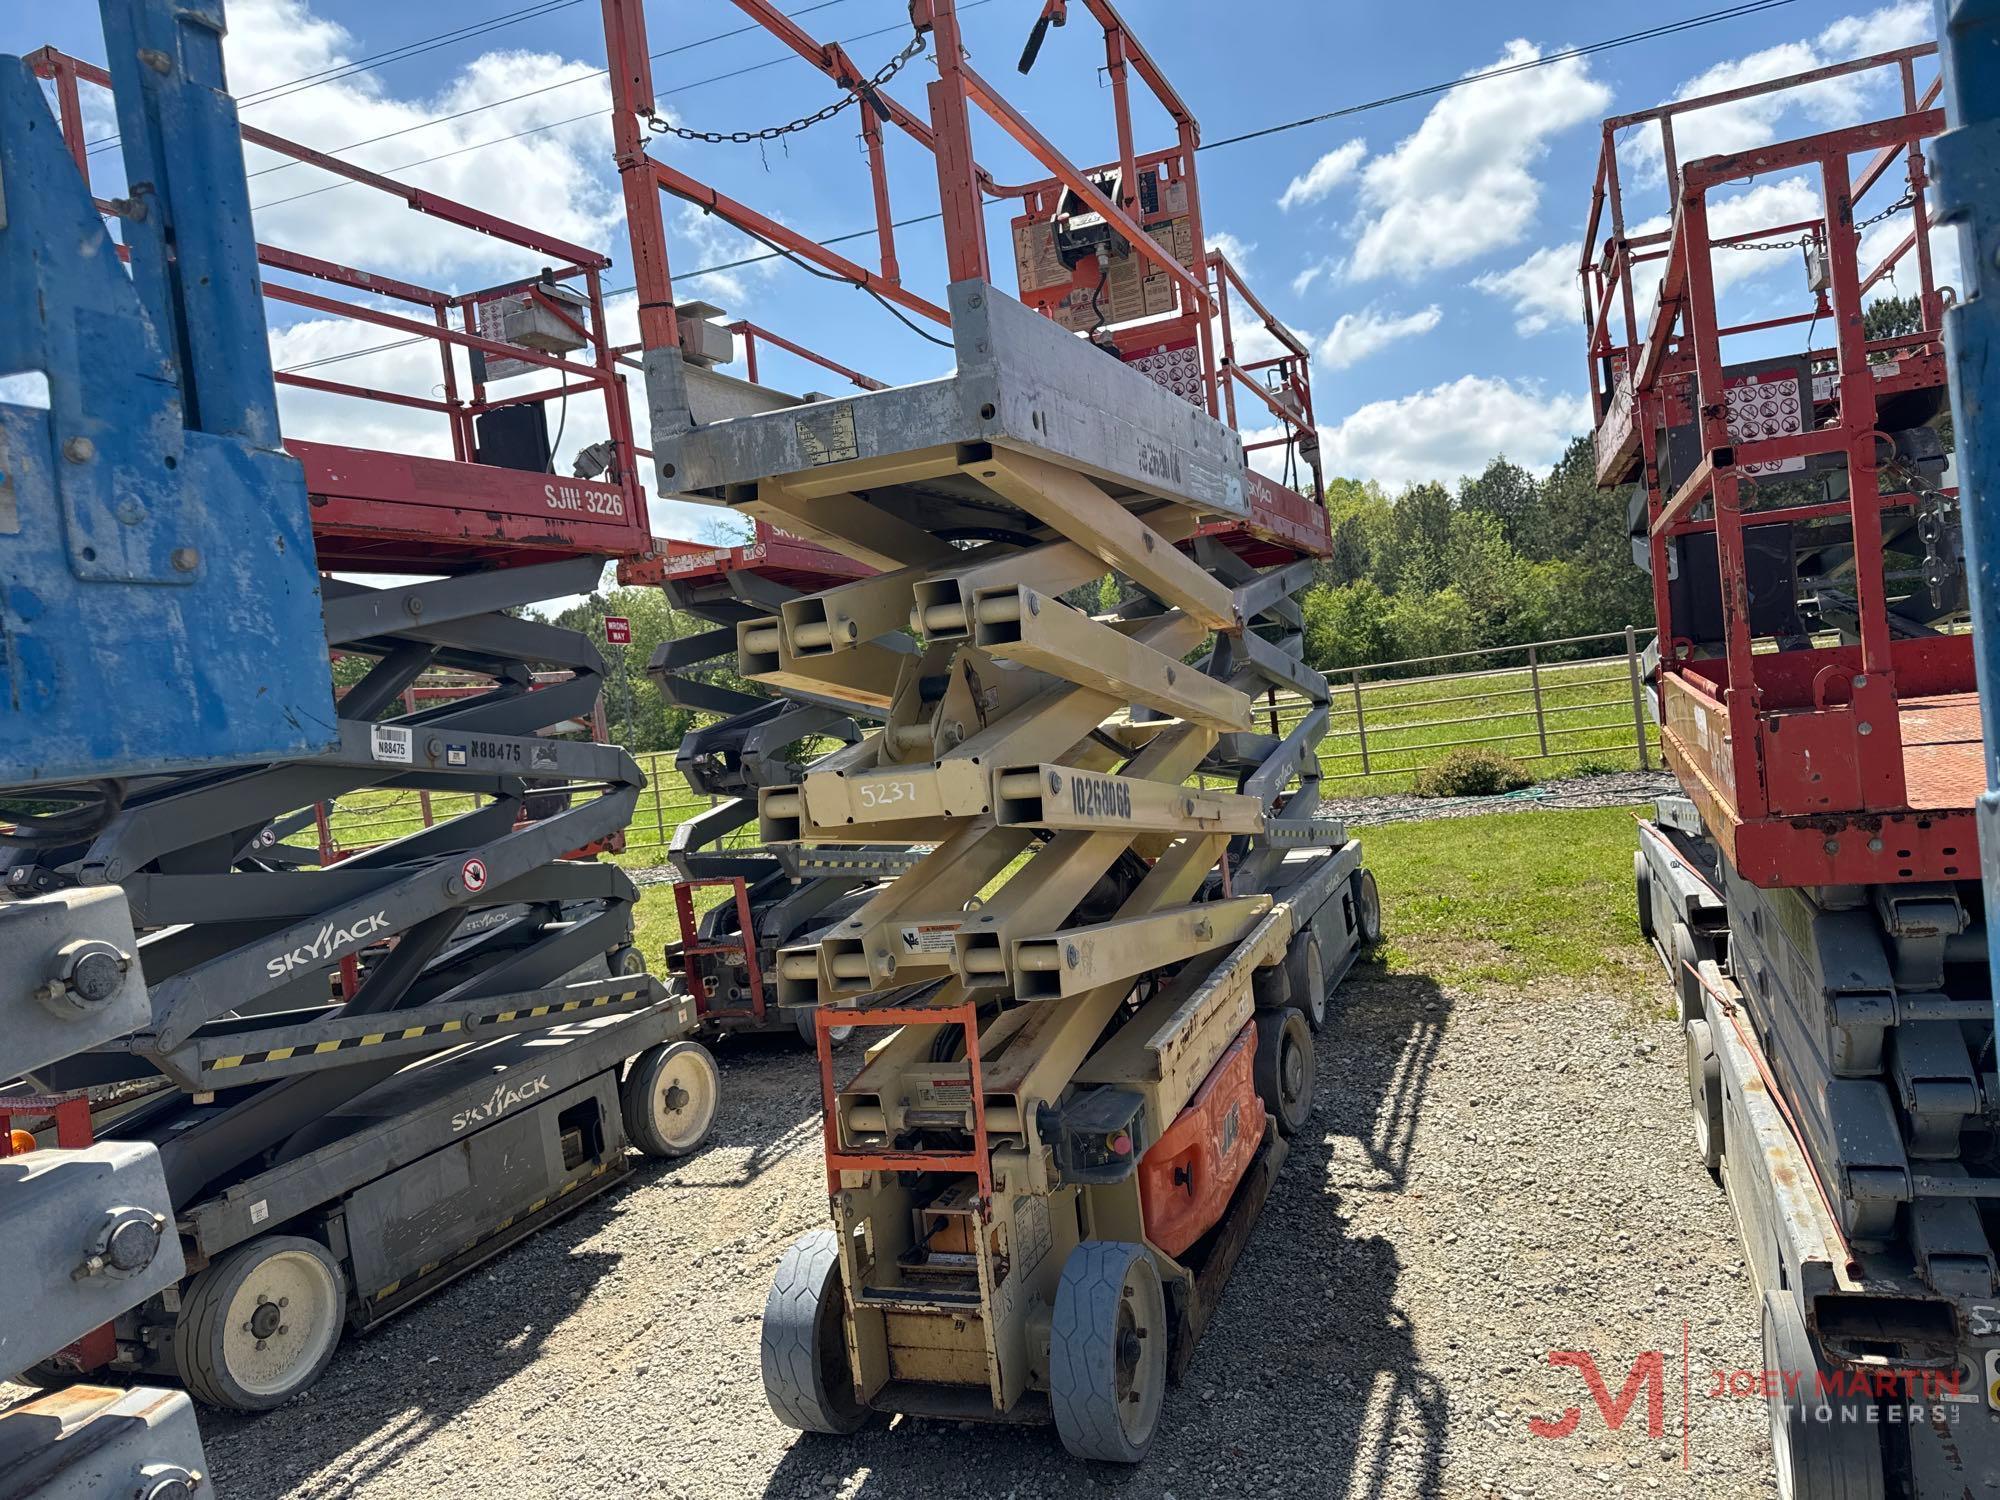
[
  {"x": 499, "y": 140},
  {"x": 443, "y": 39},
  {"x": 1689, "y": 24},
  {"x": 391, "y": 54},
  {"x": 549, "y": 88}
]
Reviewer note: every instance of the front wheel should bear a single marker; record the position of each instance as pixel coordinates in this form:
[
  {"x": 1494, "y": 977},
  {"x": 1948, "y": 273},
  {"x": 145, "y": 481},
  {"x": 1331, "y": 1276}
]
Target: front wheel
[
  {"x": 1367, "y": 908},
  {"x": 1108, "y": 1351},
  {"x": 260, "y": 1325},
  {"x": 669, "y": 1099},
  {"x": 804, "y": 1342}
]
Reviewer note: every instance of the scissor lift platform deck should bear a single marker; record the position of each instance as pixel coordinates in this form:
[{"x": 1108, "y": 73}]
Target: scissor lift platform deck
[{"x": 1021, "y": 383}]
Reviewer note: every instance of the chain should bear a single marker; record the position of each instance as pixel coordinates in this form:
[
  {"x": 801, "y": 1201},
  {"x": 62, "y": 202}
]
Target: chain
[
  {"x": 882, "y": 75},
  {"x": 1908, "y": 200}
]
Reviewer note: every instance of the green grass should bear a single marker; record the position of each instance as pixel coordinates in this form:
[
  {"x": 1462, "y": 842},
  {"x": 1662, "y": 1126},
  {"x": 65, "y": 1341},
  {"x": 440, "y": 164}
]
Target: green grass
[{"x": 1511, "y": 898}]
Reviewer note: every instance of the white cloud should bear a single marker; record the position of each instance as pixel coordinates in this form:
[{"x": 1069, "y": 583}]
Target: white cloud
[
  {"x": 1725, "y": 128},
  {"x": 1304, "y": 280},
  {"x": 1252, "y": 340},
  {"x": 710, "y": 241},
  {"x": 1542, "y": 289},
  {"x": 1234, "y": 250},
  {"x": 554, "y": 181},
  {"x": 1879, "y": 239},
  {"x": 1358, "y": 335},
  {"x": 30, "y": 389},
  {"x": 1461, "y": 184},
  {"x": 1451, "y": 430},
  {"x": 1324, "y": 175},
  {"x": 1902, "y": 25}
]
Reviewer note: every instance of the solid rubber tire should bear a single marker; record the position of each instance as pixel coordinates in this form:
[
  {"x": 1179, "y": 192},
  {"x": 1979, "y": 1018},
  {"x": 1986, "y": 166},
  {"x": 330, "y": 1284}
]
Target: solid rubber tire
[
  {"x": 1305, "y": 975},
  {"x": 1083, "y": 1352},
  {"x": 803, "y": 1021},
  {"x": 200, "y": 1333},
  {"x": 1278, "y": 1030},
  {"x": 804, "y": 1341},
  {"x": 1367, "y": 908},
  {"x": 1642, "y": 881},
  {"x": 1815, "y": 1460},
  {"x": 1704, "y": 1080},
  {"x": 1687, "y": 971},
  {"x": 640, "y": 1098}
]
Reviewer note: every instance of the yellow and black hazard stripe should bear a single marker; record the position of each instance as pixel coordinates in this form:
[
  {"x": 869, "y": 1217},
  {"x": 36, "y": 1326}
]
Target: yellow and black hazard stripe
[
  {"x": 873, "y": 862},
  {"x": 382, "y": 1294},
  {"x": 411, "y": 1033}
]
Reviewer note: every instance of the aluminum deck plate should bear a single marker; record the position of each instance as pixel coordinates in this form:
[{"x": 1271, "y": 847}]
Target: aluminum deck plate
[{"x": 1022, "y": 382}]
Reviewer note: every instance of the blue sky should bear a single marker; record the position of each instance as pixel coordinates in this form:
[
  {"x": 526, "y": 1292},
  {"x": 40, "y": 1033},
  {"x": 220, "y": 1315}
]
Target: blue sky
[{"x": 1425, "y": 247}]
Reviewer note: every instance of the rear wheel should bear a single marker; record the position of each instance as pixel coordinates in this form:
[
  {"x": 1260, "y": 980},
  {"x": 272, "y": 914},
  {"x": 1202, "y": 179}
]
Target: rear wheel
[
  {"x": 1108, "y": 1352},
  {"x": 260, "y": 1325},
  {"x": 625, "y": 962},
  {"x": 1642, "y": 879},
  {"x": 1284, "y": 1067},
  {"x": 1687, "y": 971},
  {"x": 1306, "y": 973},
  {"x": 1824, "y": 1448},
  {"x": 669, "y": 1099},
  {"x": 803, "y": 1019},
  {"x": 804, "y": 1342},
  {"x": 1704, "y": 1079},
  {"x": 1367, "y": 908}
]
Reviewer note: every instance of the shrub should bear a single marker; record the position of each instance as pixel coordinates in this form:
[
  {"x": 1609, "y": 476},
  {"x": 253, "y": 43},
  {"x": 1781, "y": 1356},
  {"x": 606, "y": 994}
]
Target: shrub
[
  {"x": 1597, "y": 765},
  {"x": 1472, "y": 773}
]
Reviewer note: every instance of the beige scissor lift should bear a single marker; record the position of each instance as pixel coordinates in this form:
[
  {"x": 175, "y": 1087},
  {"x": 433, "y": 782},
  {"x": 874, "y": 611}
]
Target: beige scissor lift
[{"x": 1098, "y": 944}]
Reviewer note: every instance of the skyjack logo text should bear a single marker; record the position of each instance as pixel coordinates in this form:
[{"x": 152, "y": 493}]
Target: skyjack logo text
[
  {"x": 330, "y": 943},
  {"x": 504, "y": 1099}
]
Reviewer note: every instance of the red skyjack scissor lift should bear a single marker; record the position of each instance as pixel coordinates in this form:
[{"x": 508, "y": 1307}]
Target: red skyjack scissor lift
[
  {"x": 1087, "y": 427},
  {"x": 1849, "y": 763},
  {"x": 1815, "y": 889},
  {"x": 394, "y": 512}
]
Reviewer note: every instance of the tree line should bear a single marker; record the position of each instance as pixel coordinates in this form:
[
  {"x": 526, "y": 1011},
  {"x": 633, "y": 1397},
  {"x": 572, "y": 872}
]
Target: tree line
[{"x": 1503, "y": 560}]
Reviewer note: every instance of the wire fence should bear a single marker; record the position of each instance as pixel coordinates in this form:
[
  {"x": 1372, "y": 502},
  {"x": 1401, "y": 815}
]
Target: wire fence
[{"x": 1530, "y": 702}]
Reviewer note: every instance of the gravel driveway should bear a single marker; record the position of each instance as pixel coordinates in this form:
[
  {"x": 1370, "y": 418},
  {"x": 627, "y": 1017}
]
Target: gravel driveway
[{"x": 1489, "y": 1177}]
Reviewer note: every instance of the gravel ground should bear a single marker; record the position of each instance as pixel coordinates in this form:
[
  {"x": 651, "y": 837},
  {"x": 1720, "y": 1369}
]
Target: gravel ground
[
  {"x": 1450, "y": 1219},
  {"x": 1619, "y": 790}
]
